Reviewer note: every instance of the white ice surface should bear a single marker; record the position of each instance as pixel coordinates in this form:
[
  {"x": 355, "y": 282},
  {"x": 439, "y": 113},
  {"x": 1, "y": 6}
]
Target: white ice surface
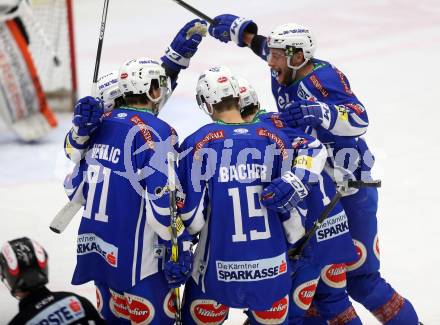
[{"x": 390, "y": 51}]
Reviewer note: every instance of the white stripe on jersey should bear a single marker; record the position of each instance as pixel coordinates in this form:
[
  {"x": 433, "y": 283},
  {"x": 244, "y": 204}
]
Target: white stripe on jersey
[
  {"x": 136, "y": 243},
  {"x": 325, "y": 199},
  {"x": 199, "y": 254},
  {"x": 159, "y": 228},
  {"x": 198, "y": 222},
  {"x": 149, "y": 262}
]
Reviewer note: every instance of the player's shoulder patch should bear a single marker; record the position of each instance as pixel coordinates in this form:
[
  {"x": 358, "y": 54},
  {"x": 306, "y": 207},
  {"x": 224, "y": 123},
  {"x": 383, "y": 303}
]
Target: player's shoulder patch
[
  {"x": 318, "y": 84},
  {"x": 144, "y": 128},
  {"x": 274, "y": 137},
  {"x": 208, "y": 137}
]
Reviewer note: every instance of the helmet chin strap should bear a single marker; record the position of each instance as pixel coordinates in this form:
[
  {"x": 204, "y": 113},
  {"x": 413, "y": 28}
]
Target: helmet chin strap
[{"x": 295, "y": 68}]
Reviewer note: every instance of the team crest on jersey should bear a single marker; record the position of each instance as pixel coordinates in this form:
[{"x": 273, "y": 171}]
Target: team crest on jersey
[
  {"x": 279, "y": 142},
  {"x": 315, "y": 81},
  {"x": 276, "y": 314},
  {"x": 169, "y": 305},
  {"x": 141, "y": 309},
  {"x": 208, "y": 312},
  {"x": 144, "y": 128},
  {"x": 361, "y": 252},
  {"x": 304, "y": 293},
  {"x": 334, "y": 275},
  {"x": 118, "y": 305},
  {"x": 211, "y": 136},
  {"x": 332, "y": 227},
  {"x": 91, "y": 243}
]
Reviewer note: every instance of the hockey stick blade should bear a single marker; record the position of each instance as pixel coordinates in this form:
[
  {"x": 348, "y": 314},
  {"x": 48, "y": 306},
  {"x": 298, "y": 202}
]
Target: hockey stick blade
[{"x": 64, "y": 216}]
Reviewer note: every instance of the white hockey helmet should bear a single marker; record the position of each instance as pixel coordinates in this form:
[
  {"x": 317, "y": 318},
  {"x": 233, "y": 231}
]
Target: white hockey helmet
[
  {"x": 107, "y": 89},
  {"x": 7, "y": 6},
  {"x": 247, "y": 93},
  {"x": 138, "y": 75},
  {"x": 213, "y": 86},
  {"x": 289, "y": 37}
]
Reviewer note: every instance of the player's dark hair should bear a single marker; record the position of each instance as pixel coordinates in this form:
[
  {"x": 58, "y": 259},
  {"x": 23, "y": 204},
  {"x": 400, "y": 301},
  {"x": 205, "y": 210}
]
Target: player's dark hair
[
  {"x": 249, "y": 110},
  {"x": 141, "y": 99},
  {"x": 120, "y": 101},
  {"x": 228, "y": 103}
]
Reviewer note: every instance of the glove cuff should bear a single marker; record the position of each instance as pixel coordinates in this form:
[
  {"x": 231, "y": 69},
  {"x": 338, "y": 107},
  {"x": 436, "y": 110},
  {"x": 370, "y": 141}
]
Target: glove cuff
[
  {"x": 238, "y": 26},
  {"x": 300, "y": 188},
  {"x": 78, "y": 140},
  {"x": 326, "y": 115},
  {"x": 174, "y": 60}
]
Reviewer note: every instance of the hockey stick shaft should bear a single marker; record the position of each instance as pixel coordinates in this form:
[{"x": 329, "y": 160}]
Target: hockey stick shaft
[
  {"x": 100, "y": 40},
  {"x": 195, "y": 11},
  {"x": 64, "y": 217},
  {"x": 174, "y": 229}
]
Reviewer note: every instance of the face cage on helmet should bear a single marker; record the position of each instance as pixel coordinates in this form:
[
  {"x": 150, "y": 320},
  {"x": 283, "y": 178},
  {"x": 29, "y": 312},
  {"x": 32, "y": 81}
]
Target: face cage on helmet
[
  {"x": 203, "y": 105},
  {"x": 165, "y": 92},
  {"x": 289, "y": 51}
]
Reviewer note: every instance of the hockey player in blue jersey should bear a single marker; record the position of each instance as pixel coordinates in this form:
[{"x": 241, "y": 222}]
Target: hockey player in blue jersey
[
  {"x": 329, "y": 295},
  {"x": 75, "y": 145},
  {"x": 86, "y": 120},
  {"x": 124, "y": 233},
  {"x": 317, "y": 97},
  {"x": 241, "y": 257}
]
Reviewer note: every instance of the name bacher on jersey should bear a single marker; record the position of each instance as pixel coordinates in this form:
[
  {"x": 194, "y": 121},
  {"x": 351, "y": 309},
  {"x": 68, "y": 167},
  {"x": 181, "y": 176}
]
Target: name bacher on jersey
[{"x": 242, "y": 172}]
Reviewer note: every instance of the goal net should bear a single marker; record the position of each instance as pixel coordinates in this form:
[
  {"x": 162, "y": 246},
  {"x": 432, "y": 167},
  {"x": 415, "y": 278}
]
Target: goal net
[{"x": 49, "y": 24}]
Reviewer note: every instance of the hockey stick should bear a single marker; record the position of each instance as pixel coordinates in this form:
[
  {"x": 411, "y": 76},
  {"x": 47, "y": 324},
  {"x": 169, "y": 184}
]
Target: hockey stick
[
  {"x": 100, "y": 41},
  {"x": 195, "y": 11},
  {"x": 66, "y": 214},
  {"x": 295, "y": 253},
  {"x": 174, "y": 229}
]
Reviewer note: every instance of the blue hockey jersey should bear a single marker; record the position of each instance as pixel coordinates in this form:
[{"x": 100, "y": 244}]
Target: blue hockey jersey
[
  {"x": 347, "y": 118},
  {"x": 241, "y": 258},
  {"x": 332, "y": 242},
  {"x": 126, "y": 213}
]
